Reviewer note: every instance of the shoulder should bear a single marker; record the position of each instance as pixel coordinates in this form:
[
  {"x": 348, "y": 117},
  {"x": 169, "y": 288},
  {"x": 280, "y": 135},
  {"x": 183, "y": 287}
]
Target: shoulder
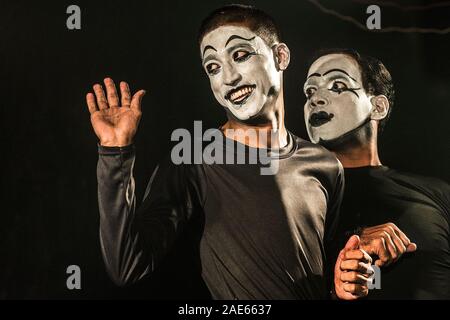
[
  {"x": 431, "y": 184},
  {"x": 436, "y": 189},
  {"x": 177, "y": 180},
  {"x": 181, "y": 173},
  {"x": 318, "y": 155},
  {"x": 320, "y": 162}
]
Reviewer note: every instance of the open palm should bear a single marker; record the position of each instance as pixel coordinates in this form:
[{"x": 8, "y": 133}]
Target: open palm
[{"x": 114, "y": 124}]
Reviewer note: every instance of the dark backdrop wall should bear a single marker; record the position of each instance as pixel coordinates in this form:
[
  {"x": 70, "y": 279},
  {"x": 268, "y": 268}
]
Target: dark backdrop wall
[{"x": 49, "y": 213}]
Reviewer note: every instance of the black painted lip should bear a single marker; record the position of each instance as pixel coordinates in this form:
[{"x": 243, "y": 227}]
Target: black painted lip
[{"x": 318, "y": 119}]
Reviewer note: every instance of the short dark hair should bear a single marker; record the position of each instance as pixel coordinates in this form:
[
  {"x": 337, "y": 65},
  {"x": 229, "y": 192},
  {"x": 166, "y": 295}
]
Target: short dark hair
[
  {"x": 242, "y": 15},
  {"x": 375, "y": 76}
]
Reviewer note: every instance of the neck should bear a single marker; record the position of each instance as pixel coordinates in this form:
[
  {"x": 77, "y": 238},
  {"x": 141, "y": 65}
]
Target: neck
[
  {"x": 360, "y": 153},
  {"x": 270, "y": 133}
]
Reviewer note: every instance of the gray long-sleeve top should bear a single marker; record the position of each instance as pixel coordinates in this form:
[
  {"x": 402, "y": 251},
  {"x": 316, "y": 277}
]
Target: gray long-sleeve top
[{"x": 259, "y": 236}]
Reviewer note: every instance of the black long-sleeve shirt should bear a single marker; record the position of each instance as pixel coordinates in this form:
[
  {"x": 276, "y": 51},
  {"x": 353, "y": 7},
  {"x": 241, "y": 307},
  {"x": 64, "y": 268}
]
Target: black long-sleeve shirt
[
  {"x": 420, "y": 207},
  {"x": 258, "y": 236}
]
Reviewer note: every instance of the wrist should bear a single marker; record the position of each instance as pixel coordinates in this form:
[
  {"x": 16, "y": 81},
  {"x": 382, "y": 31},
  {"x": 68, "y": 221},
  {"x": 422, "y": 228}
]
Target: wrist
[
  {"x": 115, "y": 150},
  {"x": 115, "y": 143}
]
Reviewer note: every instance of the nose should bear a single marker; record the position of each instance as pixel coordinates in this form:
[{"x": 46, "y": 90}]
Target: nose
[
  {"x": 231, "y": 76},
  {"x": 318, "y": 101}
]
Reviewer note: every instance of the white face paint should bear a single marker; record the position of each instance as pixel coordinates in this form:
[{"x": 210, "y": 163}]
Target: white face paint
[
  {"x": 336, "y": 100},
  {"x": 241, "y": 70}
]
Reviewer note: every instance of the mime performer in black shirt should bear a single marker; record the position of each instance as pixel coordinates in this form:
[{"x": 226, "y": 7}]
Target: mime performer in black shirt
[
  {"x": 260, "y": 236},
  {"x": 349, "y": 99}
]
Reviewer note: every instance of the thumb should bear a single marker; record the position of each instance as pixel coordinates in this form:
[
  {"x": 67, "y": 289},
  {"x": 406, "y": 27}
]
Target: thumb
[
  {"x": 411, "y": 247},
  {"x": 337, "y": 268},
  {"x": 137, "y": 99},
  {"x": 352, "y": 243}
]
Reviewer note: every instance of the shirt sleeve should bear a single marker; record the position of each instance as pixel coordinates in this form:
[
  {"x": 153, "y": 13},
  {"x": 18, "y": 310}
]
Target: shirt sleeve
[
  {"x": 134, "y": 240},
  {"x": 433, "y": 275},
  {"x": 331, "y": 237}
]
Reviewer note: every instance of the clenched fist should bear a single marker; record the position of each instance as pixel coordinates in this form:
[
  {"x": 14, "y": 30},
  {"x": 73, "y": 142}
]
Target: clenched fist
[
  {"x": 387, "y": 242},
  {"x": 352, "y": 271},
  {"x": 115, "y": 123}
]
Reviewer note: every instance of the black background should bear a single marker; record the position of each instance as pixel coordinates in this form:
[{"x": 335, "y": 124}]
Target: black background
[{"x": 49, "y": 213}]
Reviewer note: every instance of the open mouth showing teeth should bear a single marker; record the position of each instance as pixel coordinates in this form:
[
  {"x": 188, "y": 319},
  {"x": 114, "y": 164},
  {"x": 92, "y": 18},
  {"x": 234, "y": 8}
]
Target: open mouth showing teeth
[
  {"x": 319, "y": 118},
  {"x": 241, "y": 94}
]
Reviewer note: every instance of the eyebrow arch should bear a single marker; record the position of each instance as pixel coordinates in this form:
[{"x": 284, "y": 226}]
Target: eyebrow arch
[
  {"x": 313, "y": 75},
  {"x": 206, "y": 48},
  {"x": 235, "y": 36},
  {"x": 339, "y": 70},
  {"x": 329, "y": 71}
]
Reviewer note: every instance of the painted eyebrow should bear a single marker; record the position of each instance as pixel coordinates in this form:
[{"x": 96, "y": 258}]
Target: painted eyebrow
[
  {"x": 206, "y": 48},
  {"x": 329, "y": 71},
  {"x": 340, "y": 70},
  {"x": 235, "y": 36},
  {"x": 313, "y": 75},
  {"x": 228, "y": 41}
]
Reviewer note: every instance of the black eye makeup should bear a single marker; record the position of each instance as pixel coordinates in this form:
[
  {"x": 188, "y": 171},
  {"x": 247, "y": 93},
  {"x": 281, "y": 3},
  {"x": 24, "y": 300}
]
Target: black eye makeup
[
  {"x": 242, "y": 55},
  {"x": 340, "y": 86},
  {"x": 309, "y": 91},
  {"x": 212, "y": 68},
  {"x": 238, "y": 56}
]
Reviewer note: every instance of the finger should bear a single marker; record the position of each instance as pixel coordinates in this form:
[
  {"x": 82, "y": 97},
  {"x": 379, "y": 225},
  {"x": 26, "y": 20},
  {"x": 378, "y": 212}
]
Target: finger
[
  {"x": 90, "y": 100},
  {"x": 378, "y": 247},
  {"x": 356, "y": 289},
  {"x": 382, "y": 227},
  {"x": 367, "y": 257},
  {"x": 399, "y": 237},
  {"x": 337, "y": 265},
  {"x": 342, "y": 254},
  {"x": 356, "y": 255},
  {"x": 111, "y": 92},
  {"x": 400, "y": 233},
  {"x": 411, "y": 247},
  {"x": 137, "y": 100},
  {"x": 352, "y": 243},
  {"x": 350, "y": 265},
  {"x": 390, "y": 246},
  {"x": 354, "y": 277},
  {"x": 383, "y": 253},
  {"x": 399, "y": 245},
  {"x": 125, "y": 94},
  {"x": 356, "y": 265},
  {"x": 100, "y": 95}
]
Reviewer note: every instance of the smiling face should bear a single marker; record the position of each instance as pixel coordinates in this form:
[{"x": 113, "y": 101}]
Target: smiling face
[
  {"x": 241, "y": 70},
  {"x": 336, "y": 100}
]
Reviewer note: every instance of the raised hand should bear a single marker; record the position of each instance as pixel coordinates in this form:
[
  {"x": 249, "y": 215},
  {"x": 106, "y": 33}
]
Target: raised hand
[{"x": 115, "y": 123}]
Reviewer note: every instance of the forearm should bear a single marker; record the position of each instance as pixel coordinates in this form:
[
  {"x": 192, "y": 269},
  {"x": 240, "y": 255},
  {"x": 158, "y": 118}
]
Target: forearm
[{"x": 117, "y": 203}]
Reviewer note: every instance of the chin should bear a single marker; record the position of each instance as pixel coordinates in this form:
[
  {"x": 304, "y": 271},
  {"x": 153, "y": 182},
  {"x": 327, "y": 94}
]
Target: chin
[
  {"x": 246, "y": 113},
  {"x": 313, "y": 136},
  {"x": 314, "y": 140},
  {"x": 242, "y": 114},
  {"x": 321, "y": 134}
]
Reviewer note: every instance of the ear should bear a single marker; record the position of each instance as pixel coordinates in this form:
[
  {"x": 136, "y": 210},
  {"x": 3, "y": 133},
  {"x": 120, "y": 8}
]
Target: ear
[
  {"x": 282, "y": 56},
  {"x": 380, "y": 107}
]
